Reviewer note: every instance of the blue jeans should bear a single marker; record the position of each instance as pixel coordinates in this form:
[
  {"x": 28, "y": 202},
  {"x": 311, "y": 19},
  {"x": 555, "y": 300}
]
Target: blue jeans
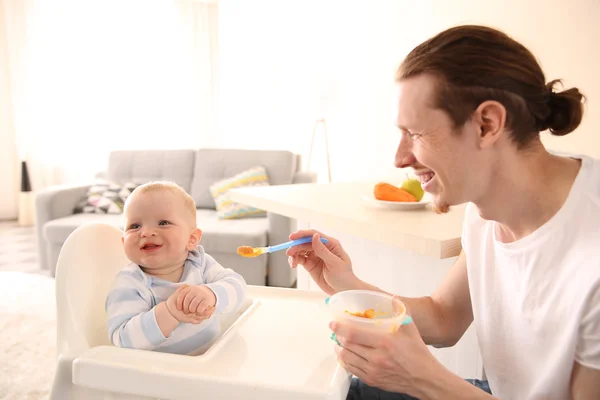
[{"x": 361, "y": 391}]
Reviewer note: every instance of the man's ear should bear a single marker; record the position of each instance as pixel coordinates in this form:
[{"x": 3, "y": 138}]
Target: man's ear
[
  {"x": 195, "y": 237},
  {"x": 490, "y": 118}
]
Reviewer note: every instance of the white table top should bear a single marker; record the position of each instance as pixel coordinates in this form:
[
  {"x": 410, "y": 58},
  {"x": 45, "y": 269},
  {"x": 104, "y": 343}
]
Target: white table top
[{"x": 340, "y": 206}]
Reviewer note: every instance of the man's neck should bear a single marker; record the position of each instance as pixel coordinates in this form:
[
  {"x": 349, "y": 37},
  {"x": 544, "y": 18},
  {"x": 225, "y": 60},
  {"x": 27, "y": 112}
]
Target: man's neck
[{"x": 528, "y": 189}]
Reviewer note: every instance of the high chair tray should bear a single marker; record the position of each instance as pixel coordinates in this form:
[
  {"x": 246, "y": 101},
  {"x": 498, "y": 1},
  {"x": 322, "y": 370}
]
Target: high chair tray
[{"x": 278, "y": 349}]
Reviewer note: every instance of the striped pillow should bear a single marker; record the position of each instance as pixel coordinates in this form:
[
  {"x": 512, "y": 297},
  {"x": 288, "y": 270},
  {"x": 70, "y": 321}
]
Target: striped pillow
[{"x": 227, "y": 209}]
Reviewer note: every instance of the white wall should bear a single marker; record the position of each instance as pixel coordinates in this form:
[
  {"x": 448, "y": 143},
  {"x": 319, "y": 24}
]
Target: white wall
[{"x": 275, "y": 53}]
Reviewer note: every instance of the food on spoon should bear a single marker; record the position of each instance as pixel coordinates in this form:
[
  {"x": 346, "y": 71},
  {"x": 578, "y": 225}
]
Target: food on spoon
[
  {"x": 248, "y": 251},
  {"x": 388, "y": 192},
  {"x": 413, "y": 186}
]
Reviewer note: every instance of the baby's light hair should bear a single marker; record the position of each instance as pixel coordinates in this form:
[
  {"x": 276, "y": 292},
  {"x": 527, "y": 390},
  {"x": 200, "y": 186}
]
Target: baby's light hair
[{"x": 157, "y": 186}]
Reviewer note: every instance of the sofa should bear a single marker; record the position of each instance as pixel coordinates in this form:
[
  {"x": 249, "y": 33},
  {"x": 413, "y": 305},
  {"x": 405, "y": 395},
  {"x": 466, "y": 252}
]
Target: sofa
[{"x": 195, "y": 171}]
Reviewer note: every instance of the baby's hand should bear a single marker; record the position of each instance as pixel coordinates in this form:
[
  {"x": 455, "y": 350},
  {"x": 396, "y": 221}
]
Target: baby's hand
[
  {"x": 179, "y": 315},
  {"x": 196, "y": 299}
]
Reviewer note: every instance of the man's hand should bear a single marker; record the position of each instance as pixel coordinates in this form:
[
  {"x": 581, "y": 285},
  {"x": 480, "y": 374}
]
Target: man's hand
[
  {"x": 179, "y": 315},
  {"x": 328, "y": 264},
  {"x": 196, "y": 299},
  {"x": 396, "y": 362}
]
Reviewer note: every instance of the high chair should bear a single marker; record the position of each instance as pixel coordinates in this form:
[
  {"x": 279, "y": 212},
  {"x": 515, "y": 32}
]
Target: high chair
[{"x": 276, "y": 347}]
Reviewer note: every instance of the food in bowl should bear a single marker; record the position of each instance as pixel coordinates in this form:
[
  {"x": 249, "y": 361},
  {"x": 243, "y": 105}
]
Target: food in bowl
[
  {"x": 368, "y": 309},
  {"x": 370, "y": 313}
]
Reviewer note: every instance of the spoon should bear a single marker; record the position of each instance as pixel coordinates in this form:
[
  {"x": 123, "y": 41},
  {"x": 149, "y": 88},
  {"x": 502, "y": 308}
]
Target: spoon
[{"x": 248, "y": 251}]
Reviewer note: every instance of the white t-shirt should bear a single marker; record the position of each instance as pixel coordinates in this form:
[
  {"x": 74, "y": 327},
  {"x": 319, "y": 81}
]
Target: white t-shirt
[{"x": 536, "y": 301}]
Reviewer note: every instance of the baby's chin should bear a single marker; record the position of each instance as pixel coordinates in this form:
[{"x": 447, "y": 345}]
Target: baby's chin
[{"x": 146, "y": 267}]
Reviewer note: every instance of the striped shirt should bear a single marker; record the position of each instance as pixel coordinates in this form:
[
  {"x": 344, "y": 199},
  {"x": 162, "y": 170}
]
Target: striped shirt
[{"x": 131, "y": 302}]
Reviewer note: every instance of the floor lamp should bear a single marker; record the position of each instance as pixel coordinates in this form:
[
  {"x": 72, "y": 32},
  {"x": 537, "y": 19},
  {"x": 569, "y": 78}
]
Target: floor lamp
[{"x": 320, "y": 121}]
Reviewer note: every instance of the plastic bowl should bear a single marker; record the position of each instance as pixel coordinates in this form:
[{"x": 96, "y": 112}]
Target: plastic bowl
[{"x": 386, "y": 318}]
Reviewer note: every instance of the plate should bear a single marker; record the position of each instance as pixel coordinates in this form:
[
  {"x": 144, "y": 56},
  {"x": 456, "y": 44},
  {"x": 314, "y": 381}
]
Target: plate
[{"x": 397, "y": 205}]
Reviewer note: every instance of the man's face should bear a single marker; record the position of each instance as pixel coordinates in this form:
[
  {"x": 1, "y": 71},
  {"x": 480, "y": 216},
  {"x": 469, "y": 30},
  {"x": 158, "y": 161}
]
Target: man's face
[{"x": 446, "y": 159}]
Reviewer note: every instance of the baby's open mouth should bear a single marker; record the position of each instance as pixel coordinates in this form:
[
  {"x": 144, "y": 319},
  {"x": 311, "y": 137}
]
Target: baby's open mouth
[{"x": 150, "y": 246}]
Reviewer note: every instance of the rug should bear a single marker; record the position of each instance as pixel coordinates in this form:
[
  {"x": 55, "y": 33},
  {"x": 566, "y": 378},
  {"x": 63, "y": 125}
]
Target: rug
[
  {"x": 27, "y": 335},
  {"x": 18, "y": 248}
]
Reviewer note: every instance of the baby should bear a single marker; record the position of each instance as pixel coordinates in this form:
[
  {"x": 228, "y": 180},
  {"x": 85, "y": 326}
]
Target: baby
[{"x": 166, "y": 298}]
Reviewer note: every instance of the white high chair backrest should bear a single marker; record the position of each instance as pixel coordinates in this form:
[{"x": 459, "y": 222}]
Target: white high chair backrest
[{"x": 88, "y": 262}]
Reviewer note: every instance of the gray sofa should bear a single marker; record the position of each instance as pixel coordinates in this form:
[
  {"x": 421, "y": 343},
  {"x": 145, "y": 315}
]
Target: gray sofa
[{"x": 195, "y": 171}]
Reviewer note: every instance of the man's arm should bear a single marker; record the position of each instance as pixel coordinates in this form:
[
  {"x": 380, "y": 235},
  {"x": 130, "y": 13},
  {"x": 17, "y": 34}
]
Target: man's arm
[
  {"x": 449, "y": 386},
  {"x": 443, "y": 317},
  {"x": 585, "y": 376},
  {"x": 585, "y": 383}
]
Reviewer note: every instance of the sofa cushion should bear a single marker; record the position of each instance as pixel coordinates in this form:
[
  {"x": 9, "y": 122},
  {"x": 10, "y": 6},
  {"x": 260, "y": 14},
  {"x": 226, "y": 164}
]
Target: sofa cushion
[
  {"x": 105, "y": 198},
  {"x": 213, "y": 165},
  {"x": 152, "y": 165},
  {"x": 228, "y": 209},
  {"x": 223, "y": 236}
]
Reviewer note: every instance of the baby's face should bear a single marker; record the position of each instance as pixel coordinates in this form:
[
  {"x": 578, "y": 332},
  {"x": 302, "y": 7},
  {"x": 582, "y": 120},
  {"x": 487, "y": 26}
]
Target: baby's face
[{"x": 158, "y": 231}]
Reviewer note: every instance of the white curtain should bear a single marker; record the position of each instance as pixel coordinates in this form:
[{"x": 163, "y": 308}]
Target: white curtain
[
  {"x": 13, "y": 29},
  {"x": 97, "y": 76},
  {"x": 201, "y": 22}
]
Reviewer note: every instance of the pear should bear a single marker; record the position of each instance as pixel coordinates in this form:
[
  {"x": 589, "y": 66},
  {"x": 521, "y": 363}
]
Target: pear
[{"x": 413, "y": 186}]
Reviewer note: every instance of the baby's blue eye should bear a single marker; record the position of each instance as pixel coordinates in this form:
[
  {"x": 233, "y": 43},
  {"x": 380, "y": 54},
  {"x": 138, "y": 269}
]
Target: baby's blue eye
[
  {"x": 164, "y": 223},
  {"x": 134, "y": 226}
]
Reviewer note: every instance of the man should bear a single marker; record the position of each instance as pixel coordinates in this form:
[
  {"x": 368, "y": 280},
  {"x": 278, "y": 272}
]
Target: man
[{"x": 471, "y": 105}]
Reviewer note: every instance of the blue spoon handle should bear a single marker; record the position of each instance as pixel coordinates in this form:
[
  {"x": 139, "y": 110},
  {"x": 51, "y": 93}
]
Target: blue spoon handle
[{"x": 292, "y": 243}]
